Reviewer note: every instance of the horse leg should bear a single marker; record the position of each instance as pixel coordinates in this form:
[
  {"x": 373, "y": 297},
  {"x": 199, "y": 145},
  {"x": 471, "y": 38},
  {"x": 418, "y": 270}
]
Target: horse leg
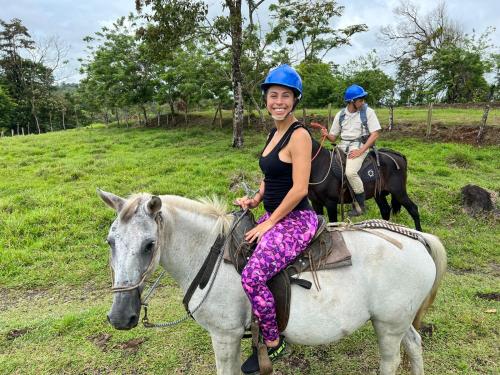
[
  {"x": 389, "y": 342},
  {"x": 413, "y": 345},
  {"x": 331, "y": 208},
  {"x": 227, "y": 354},
  {"x": 411, "y": 207},
  {"x": 383, "y": 205},
  {"x": 317, "y": 207}
]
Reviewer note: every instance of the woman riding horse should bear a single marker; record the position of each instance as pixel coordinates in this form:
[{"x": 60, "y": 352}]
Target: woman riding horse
[{"x": 289, "y": 223}]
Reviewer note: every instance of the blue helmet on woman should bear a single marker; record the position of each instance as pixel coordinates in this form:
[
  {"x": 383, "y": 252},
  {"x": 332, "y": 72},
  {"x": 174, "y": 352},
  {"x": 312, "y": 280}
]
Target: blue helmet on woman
[
  {"x": 354, "y": 92},
  {"x": 284, "y": 75}
]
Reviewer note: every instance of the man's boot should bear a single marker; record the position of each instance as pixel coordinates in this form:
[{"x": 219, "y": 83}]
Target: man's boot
[{"x": 360, "y": 198}]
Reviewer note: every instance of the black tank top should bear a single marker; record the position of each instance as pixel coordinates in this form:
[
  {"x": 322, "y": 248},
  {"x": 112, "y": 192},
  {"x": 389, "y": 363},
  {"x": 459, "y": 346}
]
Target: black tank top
[{"x": 278, "y": 174}]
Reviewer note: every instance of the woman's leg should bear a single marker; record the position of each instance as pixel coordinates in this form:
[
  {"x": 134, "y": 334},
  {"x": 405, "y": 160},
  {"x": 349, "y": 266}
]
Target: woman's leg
[{"x": 277, "y": 248}]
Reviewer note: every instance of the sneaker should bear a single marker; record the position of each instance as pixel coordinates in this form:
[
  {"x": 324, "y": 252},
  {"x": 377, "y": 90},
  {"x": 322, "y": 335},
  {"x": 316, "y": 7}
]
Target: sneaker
[{"x": 251, "y": 365}]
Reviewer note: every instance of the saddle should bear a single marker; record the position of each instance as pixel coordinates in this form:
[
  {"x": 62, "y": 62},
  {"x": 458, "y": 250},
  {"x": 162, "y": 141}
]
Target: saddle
[
  {"x": 327, "y": 250},
  {"x": 368, "y": 172}
]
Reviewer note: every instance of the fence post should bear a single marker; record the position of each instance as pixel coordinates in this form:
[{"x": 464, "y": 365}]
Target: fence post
[
  {"x": 485, "y": 116},
  {"x": 391, "y": 116},
  {"x": 429, "y": 120}
]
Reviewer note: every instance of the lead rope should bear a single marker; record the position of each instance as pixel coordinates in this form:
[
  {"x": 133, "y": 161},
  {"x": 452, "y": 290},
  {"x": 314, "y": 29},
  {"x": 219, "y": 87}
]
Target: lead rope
[{"x": 189, "y": 314}]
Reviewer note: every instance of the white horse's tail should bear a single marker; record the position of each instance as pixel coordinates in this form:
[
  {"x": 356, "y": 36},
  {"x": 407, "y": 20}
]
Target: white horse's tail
[{"x": 438, "y": 254}]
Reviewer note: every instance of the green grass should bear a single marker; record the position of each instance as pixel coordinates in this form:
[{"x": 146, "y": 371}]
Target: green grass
[
  {"x": 402, "y": 115},
  {"x": 53, "y": 258}
]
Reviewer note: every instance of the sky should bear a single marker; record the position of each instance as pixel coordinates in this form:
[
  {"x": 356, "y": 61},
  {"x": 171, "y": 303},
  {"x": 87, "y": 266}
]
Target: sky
[{"x": 70, "y": 21}]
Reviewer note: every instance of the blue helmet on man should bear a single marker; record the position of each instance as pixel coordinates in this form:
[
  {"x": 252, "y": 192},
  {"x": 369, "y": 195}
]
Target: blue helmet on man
[
  {"x": 354, "y": 92},
  {"x": 284, "y": 75}
]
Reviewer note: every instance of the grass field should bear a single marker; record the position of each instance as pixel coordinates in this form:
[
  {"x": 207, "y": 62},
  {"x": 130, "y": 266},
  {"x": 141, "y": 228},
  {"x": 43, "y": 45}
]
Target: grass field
[
  {"x": 53, "y": 257},
  {"x": 409, "y": 115}
]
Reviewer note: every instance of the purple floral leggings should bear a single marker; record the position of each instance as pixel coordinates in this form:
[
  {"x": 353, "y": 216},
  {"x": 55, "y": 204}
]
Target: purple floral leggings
[{"x": 277, "y": 248}]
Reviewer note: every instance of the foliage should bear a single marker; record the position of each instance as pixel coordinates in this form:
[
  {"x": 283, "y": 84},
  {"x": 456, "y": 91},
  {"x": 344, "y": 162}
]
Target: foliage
[
  {"x": 309, "y": 23},
  {"x": 435, "y": 58},
  {"x": 460, "y": 75},
  {"x": 7, "y": 107},
  {"x": 321, "y": 85}
]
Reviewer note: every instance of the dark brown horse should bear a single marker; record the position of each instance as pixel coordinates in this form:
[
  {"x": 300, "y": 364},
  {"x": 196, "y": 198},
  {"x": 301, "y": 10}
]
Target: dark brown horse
[{"x": 326, "y": 181}]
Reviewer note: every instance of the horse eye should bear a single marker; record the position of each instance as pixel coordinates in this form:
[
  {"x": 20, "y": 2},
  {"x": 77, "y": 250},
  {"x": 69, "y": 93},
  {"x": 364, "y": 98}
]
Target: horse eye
[{"x": 149, "y": 247}]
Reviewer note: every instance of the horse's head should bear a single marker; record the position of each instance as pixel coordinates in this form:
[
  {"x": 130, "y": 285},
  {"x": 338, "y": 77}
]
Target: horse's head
[{"x": 134, "y": 253}]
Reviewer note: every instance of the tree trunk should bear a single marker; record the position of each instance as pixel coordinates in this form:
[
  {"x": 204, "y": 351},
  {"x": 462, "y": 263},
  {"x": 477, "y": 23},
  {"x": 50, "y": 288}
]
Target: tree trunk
[
  {"x": 50, "y": 121},
  {"x": 304, "y": 116},
  {"x": 117, "y": 115},
  {"x": 63, "y": 123},
  {"x": 186, "y": 114},
  {"x": 76, "y": 118},
  {"x": 215, "y": 116},
  {"x": 33, "y": 112},
  {"x": 12, "y": 132},
  {"x": 485, "y": 116},
  {"x": 145, "y": 115},
  {"x": 261, "y": 114},
  {"x": 237, "y": 79},
  {"x": 159, "y": 114}
]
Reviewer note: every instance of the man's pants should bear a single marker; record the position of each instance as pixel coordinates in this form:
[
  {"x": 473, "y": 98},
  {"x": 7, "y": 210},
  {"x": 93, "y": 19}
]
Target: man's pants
[{"x": 352, "y": 168}]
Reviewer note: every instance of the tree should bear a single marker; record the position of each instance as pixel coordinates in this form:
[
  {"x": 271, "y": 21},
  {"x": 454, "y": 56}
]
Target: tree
[
  {"x": 7, "y": 107},
  {"x": 435, "y": 58},
  {"x": 15, "y": 39},
  {"x": 460, "y": 75},
  {"x": 117, "y": 71},
  {"x": 308, "y": 22},
  {"x": 366, "y": 72},
  {"x": 172, "y": 23},
  {"x": 321, "y": 85}
]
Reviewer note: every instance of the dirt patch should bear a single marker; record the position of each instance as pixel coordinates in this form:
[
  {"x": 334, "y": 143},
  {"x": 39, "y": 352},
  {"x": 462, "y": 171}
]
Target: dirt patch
[
  {"x": 131, "y": 346},
  {"x": 489, "y": 296},
  {"x": 427, "y": 329},
  {"x": 446, "y": 133},
  {"x": 100, "y": 340},
  {"x": 15, "y": 333}
]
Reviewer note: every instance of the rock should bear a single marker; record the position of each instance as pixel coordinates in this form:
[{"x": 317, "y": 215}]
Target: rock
[{"x": 477, "y": 200}]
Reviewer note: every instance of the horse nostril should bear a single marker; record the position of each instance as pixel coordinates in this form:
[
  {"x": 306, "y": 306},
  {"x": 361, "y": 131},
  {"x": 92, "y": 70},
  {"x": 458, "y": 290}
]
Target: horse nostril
[{"x": 133, "y": 320}]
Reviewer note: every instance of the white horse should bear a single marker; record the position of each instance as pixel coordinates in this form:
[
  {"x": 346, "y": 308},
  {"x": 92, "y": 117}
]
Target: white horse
[{"x": 388, "y": 285}]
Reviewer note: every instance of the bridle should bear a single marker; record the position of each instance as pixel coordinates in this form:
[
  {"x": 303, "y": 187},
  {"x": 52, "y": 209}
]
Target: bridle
[{"x": 125, "y": 288}]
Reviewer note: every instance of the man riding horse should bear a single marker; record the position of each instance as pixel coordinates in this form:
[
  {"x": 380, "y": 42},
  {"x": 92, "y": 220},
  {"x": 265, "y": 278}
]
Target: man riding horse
[{"x": 359, "y": 128}]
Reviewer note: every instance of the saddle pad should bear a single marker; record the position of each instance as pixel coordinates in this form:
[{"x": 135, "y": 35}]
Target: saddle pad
[{"x": 368, "y": 172}]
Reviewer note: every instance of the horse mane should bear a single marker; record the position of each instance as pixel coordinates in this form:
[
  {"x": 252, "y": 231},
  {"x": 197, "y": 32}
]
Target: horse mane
[{"x": 209, "y": 206}]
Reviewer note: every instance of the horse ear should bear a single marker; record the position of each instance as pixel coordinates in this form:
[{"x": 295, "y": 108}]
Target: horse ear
[
  {"x": 154, "y": 205},
  {"x": 113, "y": 201}
]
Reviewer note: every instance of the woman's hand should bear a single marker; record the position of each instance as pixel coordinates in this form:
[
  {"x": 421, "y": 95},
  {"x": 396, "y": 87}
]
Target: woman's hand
[
  {"x": 245, "y": 202},
  {"x": 257, "y": 232}
]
